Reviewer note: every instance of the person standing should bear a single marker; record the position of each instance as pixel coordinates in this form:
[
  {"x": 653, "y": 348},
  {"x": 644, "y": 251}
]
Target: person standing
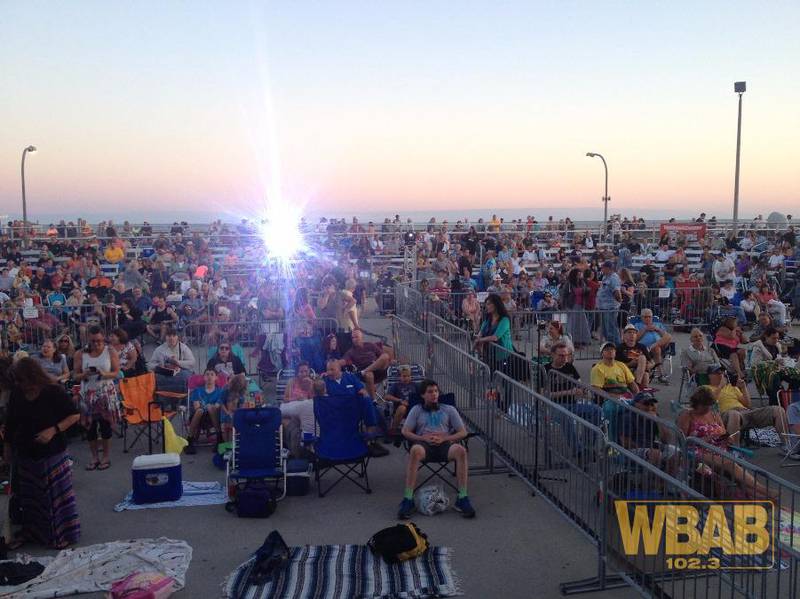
[
  {"x": 96, "y": 368},
  {"x": 609, "y": 298},
  {"x": 39, "y": 412}
]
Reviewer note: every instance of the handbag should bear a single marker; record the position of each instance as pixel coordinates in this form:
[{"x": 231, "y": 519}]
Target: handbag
[
  {"x": 142, "y": 585},
  {"x": 254, "y": 499}
]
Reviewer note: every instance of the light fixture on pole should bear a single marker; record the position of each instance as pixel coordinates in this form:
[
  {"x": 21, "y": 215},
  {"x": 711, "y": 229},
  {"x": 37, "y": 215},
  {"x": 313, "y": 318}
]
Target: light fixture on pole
[
  {"x": 606, "y": 199},
  {"x": 739, "y": 87},
  {"x": 24, "y": 204}
]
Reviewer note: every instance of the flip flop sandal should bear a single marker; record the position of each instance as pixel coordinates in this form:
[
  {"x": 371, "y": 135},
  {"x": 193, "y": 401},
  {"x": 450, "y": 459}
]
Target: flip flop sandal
[
  {"x": 104, "y": 466},
  {"x": 92, "y": 466}
]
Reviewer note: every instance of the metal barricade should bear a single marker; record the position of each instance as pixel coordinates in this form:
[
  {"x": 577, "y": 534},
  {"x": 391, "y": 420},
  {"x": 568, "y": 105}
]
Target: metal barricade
[
  {"x": 411, "y": 344},
  {"x": 552, "y": 449},
  {"x": 410, "y": 305},
  {"x": 450, "y": 332},
  {"x": 682, "y": 306},
  {"x": 509, "y": 362},
  {"x": 458, "y": 372},
  {"x": 729, "y": 476},
  {"x": 584, "y": 328},
  {"x": 27, "y": 327}
]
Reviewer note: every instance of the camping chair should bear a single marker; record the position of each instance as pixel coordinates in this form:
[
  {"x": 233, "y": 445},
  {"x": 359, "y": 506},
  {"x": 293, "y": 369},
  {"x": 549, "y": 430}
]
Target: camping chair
[
  {"x": 341, "y": 445},
  {"x": 793, "y": 442},
  {"x": 689, "y": 382},
  {"x": 142, "y": 408},
  {"x": 435, "y": 467},
  {"x": 257, "y": 451},
  {"x": 667, "y": 353}
]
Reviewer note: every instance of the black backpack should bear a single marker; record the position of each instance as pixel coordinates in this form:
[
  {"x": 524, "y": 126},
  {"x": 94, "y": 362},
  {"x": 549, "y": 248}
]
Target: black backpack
[
  {"x": 399, "y": 543},
  {"x": 254, "y": 499}
]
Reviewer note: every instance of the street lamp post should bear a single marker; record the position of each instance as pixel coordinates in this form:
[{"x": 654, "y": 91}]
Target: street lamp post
[
  {"x": 606, "y": 199},
  {"x": 24, "y": 204},
  {"x": 739, "y": 87}
]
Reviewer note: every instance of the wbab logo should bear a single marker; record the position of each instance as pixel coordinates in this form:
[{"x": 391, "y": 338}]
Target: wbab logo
[{"x": 698, "y": 535}]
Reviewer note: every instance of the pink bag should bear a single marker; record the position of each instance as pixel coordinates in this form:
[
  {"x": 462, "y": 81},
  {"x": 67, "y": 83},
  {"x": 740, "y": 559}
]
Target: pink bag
[{"x": 142, "y": 585}]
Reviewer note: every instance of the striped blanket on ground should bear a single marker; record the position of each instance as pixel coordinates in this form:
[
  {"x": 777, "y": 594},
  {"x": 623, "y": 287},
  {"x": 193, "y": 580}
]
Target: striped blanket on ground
[{"x": 349, "y": 572}]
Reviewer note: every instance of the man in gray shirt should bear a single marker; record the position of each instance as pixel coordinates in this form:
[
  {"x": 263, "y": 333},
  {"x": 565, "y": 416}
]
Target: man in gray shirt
[
  {"x": 434, "y": 431},
  {"x": 609, "y": 297}
]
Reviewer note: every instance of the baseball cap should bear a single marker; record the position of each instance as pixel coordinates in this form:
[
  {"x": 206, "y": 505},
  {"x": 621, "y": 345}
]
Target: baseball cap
[
  {"x": 608, "y": 344},
  {"x": 645, "y": 397},
  {"x": 630, "y": 327},
  {"x": 714, "y": 369},
  {"x": 608, "y": 264}
]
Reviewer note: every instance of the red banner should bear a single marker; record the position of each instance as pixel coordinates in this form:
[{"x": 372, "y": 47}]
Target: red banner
[{"x": 692, "y": 231}]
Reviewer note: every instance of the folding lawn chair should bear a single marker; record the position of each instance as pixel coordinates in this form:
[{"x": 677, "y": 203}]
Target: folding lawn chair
[
  {"x": 793, "y": 442},
  {"x": 342, "y": 444},
  {"x": 667, "y": 354},
  {"x": 257, "y": 451},
  {"x": 437, "y": 467},
  {"x": 142, "y": 408}
]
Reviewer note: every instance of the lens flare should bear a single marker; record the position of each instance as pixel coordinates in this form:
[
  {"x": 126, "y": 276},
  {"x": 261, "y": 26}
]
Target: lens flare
[{"x": 281, "y": 234}]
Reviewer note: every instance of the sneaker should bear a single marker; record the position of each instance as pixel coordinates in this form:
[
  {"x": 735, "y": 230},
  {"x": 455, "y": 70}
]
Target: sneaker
[
  {"x": 376, "y": 450},
  {"x": 190, "y": 449},
  {"x": 406, "y": 509},
  {"x": 465, "y": 507}
]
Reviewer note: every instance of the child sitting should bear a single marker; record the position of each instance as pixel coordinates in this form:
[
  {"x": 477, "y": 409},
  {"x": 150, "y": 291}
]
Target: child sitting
[{"x": 399, "y": 394}]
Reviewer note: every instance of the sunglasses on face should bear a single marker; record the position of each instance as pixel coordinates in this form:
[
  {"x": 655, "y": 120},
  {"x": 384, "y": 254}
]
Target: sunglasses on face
[{"x": 221, "y": 347}]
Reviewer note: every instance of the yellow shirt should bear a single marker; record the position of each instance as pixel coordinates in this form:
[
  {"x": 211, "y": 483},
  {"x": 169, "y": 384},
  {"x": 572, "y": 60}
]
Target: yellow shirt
[
  {"x": 114, "y": 254},
  {"x": 614, "y": 378},
  {"x": 729, "y": 398}
]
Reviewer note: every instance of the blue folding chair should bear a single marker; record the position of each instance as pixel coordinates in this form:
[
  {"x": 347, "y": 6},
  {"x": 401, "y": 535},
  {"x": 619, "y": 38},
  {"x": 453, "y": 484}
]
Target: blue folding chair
[
  {"x": 436, "y": 468},
  {"x": 341, "y": 446},
  {"x": 257, "y": 449}
]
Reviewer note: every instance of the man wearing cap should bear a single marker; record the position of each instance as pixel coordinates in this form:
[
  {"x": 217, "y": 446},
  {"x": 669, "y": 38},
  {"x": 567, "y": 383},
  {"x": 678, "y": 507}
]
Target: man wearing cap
[
  {"x": 653, "y": 336},
  {"x": 635, "y": 355},
  {"x": 736, "y": 411},
  {"x": 609, "y": 297},
  {"x": 611, "y": 376},
  {"x": 645, "y": 436}
]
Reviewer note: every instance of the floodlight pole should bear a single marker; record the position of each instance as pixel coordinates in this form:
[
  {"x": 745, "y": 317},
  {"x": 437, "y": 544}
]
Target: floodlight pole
[
  {"x": 22, "y": 168},
  {"x": 739, "y": 87},
  {"x": 606, "y": 199}
]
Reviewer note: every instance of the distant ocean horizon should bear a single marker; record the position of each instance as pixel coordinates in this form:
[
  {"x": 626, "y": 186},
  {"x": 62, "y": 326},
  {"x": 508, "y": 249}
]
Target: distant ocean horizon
[{"x": 579, "y": 214}]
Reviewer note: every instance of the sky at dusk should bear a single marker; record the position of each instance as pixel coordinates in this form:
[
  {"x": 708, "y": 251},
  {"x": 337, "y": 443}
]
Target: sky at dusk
[{"x": 205, "y": 109}]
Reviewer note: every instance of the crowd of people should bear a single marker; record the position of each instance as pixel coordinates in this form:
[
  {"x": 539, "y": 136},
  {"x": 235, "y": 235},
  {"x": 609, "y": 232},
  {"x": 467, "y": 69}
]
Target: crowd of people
[{"x": 84, "y": 307}]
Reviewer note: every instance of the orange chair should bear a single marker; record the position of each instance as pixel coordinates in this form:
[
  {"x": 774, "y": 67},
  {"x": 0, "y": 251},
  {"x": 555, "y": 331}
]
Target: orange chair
[{"x": 142, "y": 408}]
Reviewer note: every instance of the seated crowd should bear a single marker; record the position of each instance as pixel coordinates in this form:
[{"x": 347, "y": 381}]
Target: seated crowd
[{"x": 91, "y": 309}]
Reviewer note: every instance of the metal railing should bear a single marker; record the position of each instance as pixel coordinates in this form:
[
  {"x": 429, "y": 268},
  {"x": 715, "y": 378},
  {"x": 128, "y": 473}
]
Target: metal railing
[{"x": 590, "y": 455}]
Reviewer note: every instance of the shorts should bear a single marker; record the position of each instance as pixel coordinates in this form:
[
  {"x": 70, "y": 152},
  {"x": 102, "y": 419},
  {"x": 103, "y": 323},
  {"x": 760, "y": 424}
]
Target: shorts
[
  {"x": 377, "y": 375},
  {"x": 436, "y": 453},
  {"x": 756, "y": 418}
]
